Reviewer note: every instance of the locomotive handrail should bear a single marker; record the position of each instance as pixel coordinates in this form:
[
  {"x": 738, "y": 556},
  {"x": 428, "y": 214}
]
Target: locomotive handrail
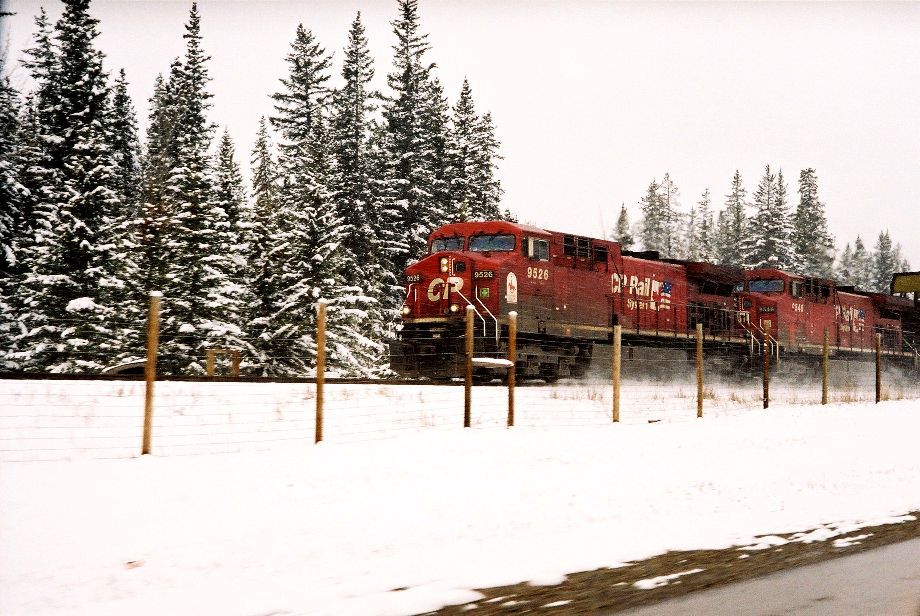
[
  {"x": 486, "y": 308},
  {"x": 470, "y": 304}
]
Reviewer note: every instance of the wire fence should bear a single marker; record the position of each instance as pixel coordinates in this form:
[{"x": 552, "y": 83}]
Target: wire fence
[{"x": 70, "y": 418}]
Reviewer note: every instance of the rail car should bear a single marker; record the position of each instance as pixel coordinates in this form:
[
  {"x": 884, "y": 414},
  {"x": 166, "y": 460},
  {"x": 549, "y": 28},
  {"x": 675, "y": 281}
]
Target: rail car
[{"x": 569, "y": 291}]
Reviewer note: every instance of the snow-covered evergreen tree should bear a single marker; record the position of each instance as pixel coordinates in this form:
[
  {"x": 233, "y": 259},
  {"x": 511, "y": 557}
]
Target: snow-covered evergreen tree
[
  {"x": 733, "y": 225},
  {"x": 309, "y": 269},
  {"x": 654, "y": 223},
  {"x": 15, "y": 212},
  {"x": 487, "y": 190},
  {"x": 884, "y": 264},
  {"x": 410, "y": 146},
  {"x": 770, "y": 240},
  {"x": 861, "y": 265},
  {"x": 67, "y": 290},
  {"x": 196, "y": 286},
  {"x": 362, "y": 255},
  {"x": 813, "y": 242},
  {"x": 702, "y": 231},
  {"x": 670, "y": 207},
  {"x": 227, "y": 262},
  {"x": 623, "y": 233},
  {"x": 843, "y": 272},
  {"x": 266, "y": 255},
  {"x": 160, "y": 156}
]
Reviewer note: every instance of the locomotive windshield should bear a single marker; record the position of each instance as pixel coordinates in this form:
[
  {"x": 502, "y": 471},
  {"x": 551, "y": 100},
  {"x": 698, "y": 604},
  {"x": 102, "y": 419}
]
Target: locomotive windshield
[
  {"x": 446, "y": 243},
  {"x": 488, "y": 243},
  {"x": 774, "y": 285}
]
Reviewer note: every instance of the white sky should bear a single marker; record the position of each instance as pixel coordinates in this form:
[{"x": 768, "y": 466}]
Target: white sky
[
  {"x": 593, "y": 99},
  {"x": 433, "y": 509}
]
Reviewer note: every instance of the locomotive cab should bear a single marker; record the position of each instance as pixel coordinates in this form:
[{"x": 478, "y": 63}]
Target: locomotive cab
[{"x": 465, "y": 265}]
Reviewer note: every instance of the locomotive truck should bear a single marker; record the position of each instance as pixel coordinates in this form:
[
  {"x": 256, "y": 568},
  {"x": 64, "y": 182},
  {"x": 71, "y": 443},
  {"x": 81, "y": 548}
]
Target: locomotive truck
[{"x": 569, "y": 291}]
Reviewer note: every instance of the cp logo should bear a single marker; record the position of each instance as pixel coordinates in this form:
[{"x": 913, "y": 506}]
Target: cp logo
[{"x": 438, "y": 289}]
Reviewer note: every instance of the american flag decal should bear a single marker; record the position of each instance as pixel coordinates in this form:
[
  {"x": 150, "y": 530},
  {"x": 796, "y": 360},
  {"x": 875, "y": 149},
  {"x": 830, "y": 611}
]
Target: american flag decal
[{"x": 666, "y": 288}]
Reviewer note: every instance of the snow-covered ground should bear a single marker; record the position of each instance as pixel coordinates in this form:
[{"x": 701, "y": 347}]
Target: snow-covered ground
[{"x": 401, "y": 510}]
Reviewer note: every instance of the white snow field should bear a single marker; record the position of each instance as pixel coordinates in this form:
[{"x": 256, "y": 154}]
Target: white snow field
[{"x": 401, "y": 510}]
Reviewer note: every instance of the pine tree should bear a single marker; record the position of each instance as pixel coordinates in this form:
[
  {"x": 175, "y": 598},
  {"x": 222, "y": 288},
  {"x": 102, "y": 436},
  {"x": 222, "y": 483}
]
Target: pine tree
[
  {"x": 623, "y": 234},
  {"x": 733, "y": 227},
  {"x": 813, "y": 243},
  {"x": 770, "y": 242}
]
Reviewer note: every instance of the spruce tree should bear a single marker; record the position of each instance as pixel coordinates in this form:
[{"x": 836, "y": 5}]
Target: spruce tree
[
  {"x": 193, "y": 286},
  {"x": 670, "y": 204},
  {"x": 733, "y": 227},
  {"x": 862, "y": 266},
  {"x": 265, "y": 252},
  {"x": 813, "y": 243},
  {"x": 704, "y": 239},
  {"x": 844, "y": 270},
  {"x": 654, "y": 222},
  {"x": 70, "y": 314},
  {"x": 361, "y": 255},
  {"x": 15, "y": 217},
  {"x": 160, "y": 156},
  {"x": 410, "y": 146},
  {"x": 487, "y": 190},
  {"x": 884, "y": 264},
  {"x": 622, "y": 233},
  {"x": 770, "y": 242}
]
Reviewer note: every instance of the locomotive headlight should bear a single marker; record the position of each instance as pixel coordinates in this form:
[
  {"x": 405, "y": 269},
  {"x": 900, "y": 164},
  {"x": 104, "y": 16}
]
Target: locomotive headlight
[
  {"x": 444, "y": 265},
  {"x": 406, "y": 310},
  {"x": 454, "y": 308}
]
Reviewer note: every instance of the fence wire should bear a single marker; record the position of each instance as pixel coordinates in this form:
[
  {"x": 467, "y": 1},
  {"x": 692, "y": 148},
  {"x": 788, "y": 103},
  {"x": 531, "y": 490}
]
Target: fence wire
[{"x": 64, "y": 419}]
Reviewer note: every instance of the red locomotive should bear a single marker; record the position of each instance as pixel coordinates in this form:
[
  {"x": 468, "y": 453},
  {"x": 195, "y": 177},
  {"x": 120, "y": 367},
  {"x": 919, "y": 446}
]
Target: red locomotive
[{"x": 569, "y": 290}]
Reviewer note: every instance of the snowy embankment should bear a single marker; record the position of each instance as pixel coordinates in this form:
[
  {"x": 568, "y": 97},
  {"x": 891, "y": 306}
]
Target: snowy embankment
[{"x": 405, "y": 524}]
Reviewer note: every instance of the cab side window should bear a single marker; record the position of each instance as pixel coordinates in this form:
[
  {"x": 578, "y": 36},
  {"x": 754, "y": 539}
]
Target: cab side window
[
  {"x": 536, "y": 249},
  {"x": 796, "y": 288}
]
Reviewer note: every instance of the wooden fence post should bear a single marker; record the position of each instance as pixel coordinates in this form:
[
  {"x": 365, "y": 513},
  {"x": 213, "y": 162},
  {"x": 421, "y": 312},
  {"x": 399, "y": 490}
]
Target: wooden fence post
[
  {"x": 699, "y": 369},
  {"x": 824, "y": 369},
  {"x": 878, "y": 368},
  {"x": 512, "y": 357},
  {"x": 617, "y": 358},
  {"x": 766, "y": 367},
  {"x": 150, "y": 366},
  {"x": 320, "y": 365},
  {"x": 468, "y": 383},
  {"x": 210, "y": 361}
]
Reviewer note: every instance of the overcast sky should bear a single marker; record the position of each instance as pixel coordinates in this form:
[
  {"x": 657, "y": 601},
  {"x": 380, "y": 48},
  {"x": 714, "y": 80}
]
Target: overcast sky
[{"x": 591, "y": 100}]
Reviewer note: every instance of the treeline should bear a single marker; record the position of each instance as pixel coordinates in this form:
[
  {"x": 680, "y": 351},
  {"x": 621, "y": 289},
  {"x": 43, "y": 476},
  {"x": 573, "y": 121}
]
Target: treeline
[
  {"x": 346, "y": 184},
  {"x": 763, "y": 232}
]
